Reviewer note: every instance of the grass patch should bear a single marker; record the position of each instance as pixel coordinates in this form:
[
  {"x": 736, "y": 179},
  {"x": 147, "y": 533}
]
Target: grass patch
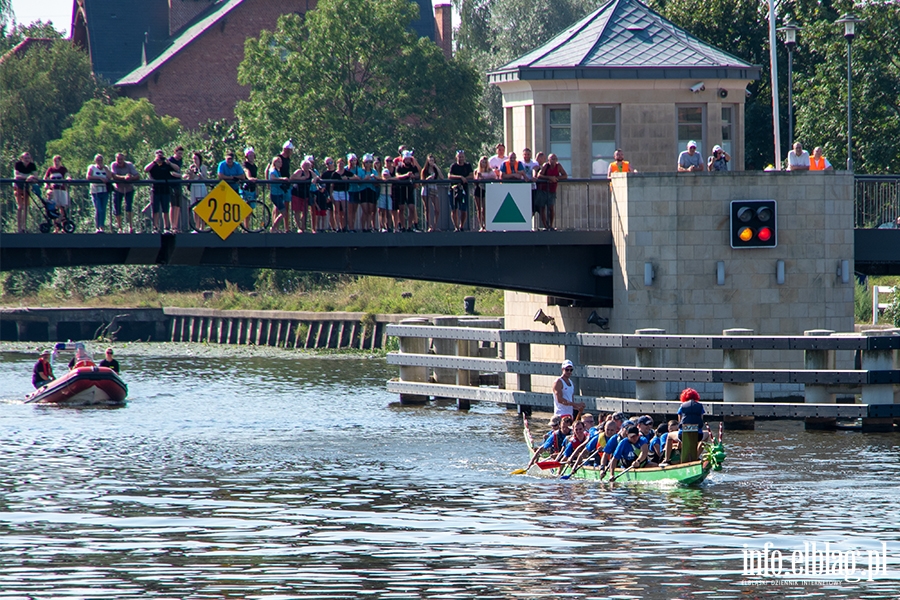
[{"x": 371, "y": 295}]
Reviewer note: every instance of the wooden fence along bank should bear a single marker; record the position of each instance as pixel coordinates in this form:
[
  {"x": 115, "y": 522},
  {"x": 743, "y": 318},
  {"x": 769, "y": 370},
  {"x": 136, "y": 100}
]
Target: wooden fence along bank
[
  {"x": 439, "y": 362},
  {"x": 291, "y": 329}
]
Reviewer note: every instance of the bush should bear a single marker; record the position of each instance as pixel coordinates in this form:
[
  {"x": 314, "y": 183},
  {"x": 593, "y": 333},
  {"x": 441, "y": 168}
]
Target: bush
[
  {"x": 27, "y": 282},
  {"x": 90, "y": 282}
]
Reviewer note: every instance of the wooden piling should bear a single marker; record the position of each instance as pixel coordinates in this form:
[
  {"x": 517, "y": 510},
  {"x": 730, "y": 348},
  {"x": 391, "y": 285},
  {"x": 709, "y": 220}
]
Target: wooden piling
[
  {"x": 738, "y": 358},
  {"x": 819, "y": 394}
]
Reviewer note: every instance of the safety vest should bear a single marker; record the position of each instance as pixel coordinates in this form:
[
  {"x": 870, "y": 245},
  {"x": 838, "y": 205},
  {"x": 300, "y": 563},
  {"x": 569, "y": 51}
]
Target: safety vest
[
  {"x": 615, "y": 168},
  {"x": 816, "y": 165},
  {"x": 509, "y": 170}
]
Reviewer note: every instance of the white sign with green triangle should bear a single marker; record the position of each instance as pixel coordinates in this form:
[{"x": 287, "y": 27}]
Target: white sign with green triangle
[{"x": 508, "y": 206}]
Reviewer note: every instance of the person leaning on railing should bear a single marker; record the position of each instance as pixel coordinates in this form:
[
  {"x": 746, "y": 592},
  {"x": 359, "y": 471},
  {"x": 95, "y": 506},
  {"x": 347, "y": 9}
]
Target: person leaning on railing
[
  {"x": 548, "y": 178},
  {"x": 160, "y": 171},
  {"x": 122, "y": 172},
  {"x": 24, "y": 174}
]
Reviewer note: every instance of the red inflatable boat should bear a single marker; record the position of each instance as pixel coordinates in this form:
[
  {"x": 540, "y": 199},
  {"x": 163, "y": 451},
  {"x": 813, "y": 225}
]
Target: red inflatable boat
[{"x": 83, "y": 386}]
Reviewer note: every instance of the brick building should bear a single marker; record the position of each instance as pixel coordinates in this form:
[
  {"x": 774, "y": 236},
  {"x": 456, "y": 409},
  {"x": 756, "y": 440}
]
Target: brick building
[{"x": 183, "y": 55}]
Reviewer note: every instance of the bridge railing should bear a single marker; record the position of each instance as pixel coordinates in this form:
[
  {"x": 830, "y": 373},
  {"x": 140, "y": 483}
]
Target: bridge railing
[
  {"x": 582, "y": 204},
  {"x": 877, "y": 201},
  {"x": 875, "y": 380}
]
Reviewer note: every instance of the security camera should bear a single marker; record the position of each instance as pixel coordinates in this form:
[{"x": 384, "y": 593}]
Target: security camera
[
  {"x": 723, "y": 93},
  {"x": 749, "y": 95},
  {"x": 698, "y": 87}
]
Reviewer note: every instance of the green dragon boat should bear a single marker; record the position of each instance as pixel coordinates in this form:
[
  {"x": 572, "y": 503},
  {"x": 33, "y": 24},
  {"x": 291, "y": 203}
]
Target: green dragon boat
[{"x": 690, "y": 473}]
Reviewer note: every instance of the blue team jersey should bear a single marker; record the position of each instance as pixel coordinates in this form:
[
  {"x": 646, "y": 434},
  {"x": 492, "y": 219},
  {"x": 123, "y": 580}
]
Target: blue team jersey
[
  {"x": 554, "y": 441},
  {"x": 611, "y": 444},
  {"x": 627, "y": 452}
]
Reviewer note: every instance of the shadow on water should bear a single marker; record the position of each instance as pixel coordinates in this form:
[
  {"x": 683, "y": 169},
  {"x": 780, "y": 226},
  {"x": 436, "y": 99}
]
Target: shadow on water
[{"x": 292, "y": 476}]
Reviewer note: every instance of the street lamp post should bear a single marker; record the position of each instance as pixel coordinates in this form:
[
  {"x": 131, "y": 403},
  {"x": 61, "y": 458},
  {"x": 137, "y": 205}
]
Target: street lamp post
[
  {"x": 849, "y": 21},
  {"x": 790, "y": 30}
]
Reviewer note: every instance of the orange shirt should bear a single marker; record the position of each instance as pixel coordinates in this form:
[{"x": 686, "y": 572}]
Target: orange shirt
[{"x": 615, "y": 168}]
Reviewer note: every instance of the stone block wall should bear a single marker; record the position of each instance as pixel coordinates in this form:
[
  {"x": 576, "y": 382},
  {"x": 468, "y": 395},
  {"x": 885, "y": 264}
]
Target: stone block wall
[{"x": 680, "y": 224}]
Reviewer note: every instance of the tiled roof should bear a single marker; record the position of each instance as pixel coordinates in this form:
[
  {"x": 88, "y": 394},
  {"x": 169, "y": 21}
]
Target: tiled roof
[
  {"x": 116, "y": 31},
  {"x": 22, "y": 47},
  {"x": 423, "y": 26},
  {"x": 176, "y": 44},
  {"x": 624, "y": 39}
]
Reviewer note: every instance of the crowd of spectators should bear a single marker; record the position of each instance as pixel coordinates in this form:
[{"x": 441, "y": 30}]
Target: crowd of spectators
[{"x": 346, "y": 194}]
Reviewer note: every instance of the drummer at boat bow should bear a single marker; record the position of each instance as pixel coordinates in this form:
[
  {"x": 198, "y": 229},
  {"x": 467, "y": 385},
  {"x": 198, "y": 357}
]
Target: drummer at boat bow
[
  {"x": 564, "y": 392},
  {"x": 43, "y": 372}
]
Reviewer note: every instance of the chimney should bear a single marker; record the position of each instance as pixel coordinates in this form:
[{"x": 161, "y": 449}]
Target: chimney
[{"x": 443, "y": 28}]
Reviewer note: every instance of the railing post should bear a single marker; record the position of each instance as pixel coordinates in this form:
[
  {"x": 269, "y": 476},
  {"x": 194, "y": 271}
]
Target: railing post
[
  {"x": 650, "y": 358},
  {"x": 463, "y": 376},
  {"x": 878, "y": 360},
  {"x": 443, "y": 347},
  {"x": 819, "y": 360},
  {"x": 413, "y": 345},
  {"x": 738, "y": 392}
]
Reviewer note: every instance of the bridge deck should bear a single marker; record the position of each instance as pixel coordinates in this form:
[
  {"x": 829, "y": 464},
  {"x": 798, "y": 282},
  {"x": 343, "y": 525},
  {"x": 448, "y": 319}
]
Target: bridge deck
[{"x": 556, "y": 263}]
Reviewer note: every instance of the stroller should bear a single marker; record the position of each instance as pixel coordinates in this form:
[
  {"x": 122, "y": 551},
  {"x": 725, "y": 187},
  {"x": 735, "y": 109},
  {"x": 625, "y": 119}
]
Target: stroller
[{"x": 51, "y": 216}]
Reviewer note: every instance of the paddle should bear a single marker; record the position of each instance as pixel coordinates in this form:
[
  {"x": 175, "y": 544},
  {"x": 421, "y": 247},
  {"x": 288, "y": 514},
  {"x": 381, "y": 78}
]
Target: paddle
[
  {"x": 633, "y": 465},
  {"x": 581, "y": 463},
  {"x": 535, "y": 451}
]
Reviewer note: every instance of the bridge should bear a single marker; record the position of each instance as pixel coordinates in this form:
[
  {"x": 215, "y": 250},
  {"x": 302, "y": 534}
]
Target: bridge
[
  {"x": 573, "y": 263},
  {"x": 555, "y": 263}
]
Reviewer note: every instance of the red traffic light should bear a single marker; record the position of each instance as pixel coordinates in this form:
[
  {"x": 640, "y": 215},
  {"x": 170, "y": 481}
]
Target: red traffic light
[{"x": 765, "y": 234}]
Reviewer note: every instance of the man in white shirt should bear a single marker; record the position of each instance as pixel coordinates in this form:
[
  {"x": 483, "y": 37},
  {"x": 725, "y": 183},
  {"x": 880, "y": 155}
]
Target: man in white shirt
[
  {"x": 798, "y": 158},
  {"x": 497, "y": 160}
]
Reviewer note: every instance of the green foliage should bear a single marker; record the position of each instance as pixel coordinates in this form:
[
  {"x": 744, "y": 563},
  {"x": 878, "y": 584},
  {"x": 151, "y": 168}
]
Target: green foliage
[
  {"x": 862, "y": 303},
  {"x": 892, "y": 312},
  {"x": 494, "y": 32},
  {"x": 125, "y": 125},
  {"x": 39, "y": 91},
  {"x": 11, "y": 36},
  {"x": 353, "y": 76},
  {"x": 89, "y": 282},
  {"x": 821, "y": 83},
  {"x": 16, "y": 284}
]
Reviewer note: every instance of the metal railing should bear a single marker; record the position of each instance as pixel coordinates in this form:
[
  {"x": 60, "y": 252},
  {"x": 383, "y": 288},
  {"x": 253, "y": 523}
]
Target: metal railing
[
  {"x": 876, "y": 201},
  {"x": 581, "y": 205},
  {"x": 876, "y": 380}
]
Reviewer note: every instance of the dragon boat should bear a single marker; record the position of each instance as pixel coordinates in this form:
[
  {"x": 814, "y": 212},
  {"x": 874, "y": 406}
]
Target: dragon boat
[
  {"x": 690, "y": 473},
  {"x": 84, "y": 385}
]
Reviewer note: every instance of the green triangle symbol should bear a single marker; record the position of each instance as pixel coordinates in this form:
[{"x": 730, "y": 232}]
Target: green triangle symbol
[{"x": 509, "y": 212}]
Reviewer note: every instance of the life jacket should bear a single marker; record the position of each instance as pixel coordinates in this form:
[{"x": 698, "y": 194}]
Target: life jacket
[
  {"x": 816, "y": 165},
  {"x": 615, "y": 168}
]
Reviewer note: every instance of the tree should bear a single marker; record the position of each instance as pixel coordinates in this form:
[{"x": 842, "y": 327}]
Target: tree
[
  {"x": 353, "y": 76},
  {"x": 821, "y": 83},
  {"x": 38, "y": 29},
  {"x": 125, "y": 125},
  {"x": 39, "y": 91},
  {"x": 492, "y": 33}
]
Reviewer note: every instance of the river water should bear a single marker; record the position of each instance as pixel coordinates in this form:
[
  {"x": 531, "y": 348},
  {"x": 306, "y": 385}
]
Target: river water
[{"x": 270, "y": 474}]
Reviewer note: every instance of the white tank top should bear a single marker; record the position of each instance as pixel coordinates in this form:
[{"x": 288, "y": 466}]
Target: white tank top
[{"x": 568, "y": 394}]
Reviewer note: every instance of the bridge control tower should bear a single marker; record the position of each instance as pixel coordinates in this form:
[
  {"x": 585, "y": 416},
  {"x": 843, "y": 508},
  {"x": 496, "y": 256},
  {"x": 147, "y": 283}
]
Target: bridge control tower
[{"x": 674, "y": 267}]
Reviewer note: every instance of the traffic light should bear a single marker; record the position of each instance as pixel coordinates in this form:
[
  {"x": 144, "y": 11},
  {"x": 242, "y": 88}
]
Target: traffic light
[{"x": 753, "y": 224}]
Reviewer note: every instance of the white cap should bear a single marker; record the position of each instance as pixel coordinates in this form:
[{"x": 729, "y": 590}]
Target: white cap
[
  {"x": 288, "y": 145},
  {"x": 567, "y": 363}
]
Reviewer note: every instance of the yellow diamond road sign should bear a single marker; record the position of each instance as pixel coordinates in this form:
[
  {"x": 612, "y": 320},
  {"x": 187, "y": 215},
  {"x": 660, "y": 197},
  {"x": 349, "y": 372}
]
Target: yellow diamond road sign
[{"x": 223, "y": 210}]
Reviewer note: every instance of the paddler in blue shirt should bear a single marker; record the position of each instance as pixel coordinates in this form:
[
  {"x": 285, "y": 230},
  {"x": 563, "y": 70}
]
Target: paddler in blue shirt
[
  {"x": 633, "y": 450},
  {"x": 555, "y": 442}
]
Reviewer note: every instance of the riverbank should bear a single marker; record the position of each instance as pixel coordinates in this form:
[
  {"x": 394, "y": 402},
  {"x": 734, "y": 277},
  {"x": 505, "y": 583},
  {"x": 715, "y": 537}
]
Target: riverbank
[{"x": 371, "y": 295}]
